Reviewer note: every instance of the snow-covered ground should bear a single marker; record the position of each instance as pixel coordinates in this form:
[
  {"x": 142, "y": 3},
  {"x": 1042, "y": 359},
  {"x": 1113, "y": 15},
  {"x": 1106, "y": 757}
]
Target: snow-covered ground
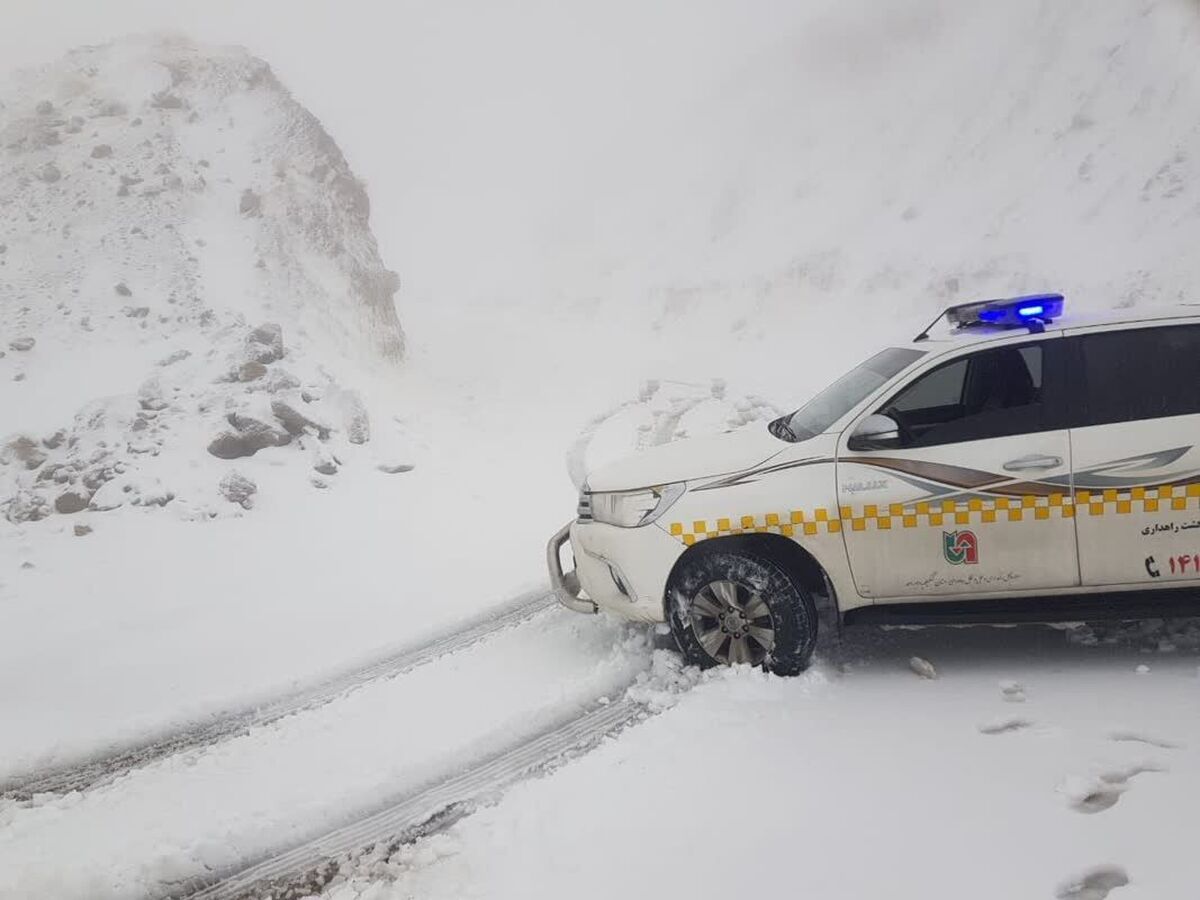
[
  {"x": 593, "y": 257},
  {"x": 1028, "y": 764},
  {"x": 196, "y": 811}
]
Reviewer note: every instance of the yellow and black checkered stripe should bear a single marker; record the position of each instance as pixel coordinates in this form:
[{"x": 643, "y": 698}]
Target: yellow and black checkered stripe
[
  {"x": 939, "y": 513},
  {"x": 1163, "y": 497},
  {"x": 788, "y": 524}
]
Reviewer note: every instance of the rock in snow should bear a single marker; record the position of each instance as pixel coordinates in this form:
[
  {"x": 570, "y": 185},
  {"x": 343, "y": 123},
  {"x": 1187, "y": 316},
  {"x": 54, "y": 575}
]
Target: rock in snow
[
  {"x": 265, "y": 343},
  {"x": 167, "y": 162},
  {"x": 26, "y": 506},
  {"x": 22, "y": 451},
  {"x": 72, "y": 501},
  {"x": 296, "y": 422},
  {"x": 239, "y": 489},
  {"x": 323, "y": 461},
  {"x": 251, "y": 371},
  {"x": 248, "y": 437}
]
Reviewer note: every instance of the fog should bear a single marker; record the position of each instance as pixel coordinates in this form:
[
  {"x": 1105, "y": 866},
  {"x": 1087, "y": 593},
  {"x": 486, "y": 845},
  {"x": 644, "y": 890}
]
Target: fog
[
  {"x": 727, "y": 167},
  {"x": 485, "y": 131}
]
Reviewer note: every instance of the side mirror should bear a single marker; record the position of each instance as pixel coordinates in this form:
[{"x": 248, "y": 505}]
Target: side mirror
[{"x": 875, "y": 432}]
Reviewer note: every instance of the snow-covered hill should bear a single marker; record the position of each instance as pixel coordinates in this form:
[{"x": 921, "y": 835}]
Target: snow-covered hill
[
  {"x": 186, "y": 265},
  {"x": 874, "y": 161},
  {"x": 827, "y": 188}
]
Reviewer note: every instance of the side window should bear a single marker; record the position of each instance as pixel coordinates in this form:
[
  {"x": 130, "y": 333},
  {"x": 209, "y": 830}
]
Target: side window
[
  {"x": 993, "y": 393},
  {"x": 941, "y": 388},
  {"x": 1146, "y": 373}
]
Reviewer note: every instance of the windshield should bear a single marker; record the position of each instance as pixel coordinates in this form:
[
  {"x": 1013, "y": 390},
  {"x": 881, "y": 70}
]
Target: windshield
[{"x": 815, "y": 416}]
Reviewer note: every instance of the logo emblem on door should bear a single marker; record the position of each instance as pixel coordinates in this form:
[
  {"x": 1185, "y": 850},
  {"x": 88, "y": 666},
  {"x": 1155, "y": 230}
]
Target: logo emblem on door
[{"x": 961, "y": 548}]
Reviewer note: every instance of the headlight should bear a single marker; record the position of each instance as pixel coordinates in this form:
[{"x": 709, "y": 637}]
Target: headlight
[{"x": 629, "y": 509}]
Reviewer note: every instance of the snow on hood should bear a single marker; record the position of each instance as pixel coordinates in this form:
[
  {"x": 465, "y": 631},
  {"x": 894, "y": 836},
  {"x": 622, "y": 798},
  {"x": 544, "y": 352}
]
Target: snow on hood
[{"x": 689, "y": 459}]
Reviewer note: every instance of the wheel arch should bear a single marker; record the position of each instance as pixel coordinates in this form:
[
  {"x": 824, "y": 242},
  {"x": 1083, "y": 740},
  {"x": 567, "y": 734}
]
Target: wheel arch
[{"x": 785, "y": 552}]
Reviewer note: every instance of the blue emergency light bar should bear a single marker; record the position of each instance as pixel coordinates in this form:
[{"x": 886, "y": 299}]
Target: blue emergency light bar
[
  {"x": 1022, "y": 310},
  {"x": 1033, "y": 311}
]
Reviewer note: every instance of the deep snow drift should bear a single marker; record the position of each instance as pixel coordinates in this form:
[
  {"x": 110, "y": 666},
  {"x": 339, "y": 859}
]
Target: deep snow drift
[{"x": 186, "y": 263}]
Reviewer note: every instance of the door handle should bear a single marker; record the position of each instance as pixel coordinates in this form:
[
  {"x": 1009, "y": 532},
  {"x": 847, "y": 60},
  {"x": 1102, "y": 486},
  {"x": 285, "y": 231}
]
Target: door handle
[{"x": 1030, "y": 463}]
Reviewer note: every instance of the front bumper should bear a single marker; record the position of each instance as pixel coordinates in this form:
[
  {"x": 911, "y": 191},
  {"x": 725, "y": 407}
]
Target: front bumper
[
  {"x": 620, "y": 570},
  {"x": 566, "y": 584}
]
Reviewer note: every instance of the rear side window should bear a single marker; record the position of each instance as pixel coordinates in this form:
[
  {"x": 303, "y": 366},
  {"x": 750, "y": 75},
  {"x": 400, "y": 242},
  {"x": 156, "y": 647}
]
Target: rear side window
[{"x": 1145, "y": 373}]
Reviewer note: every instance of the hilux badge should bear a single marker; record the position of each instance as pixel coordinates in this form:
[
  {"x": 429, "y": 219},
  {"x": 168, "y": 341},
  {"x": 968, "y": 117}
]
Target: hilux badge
[{"x": 961, "y": 548}]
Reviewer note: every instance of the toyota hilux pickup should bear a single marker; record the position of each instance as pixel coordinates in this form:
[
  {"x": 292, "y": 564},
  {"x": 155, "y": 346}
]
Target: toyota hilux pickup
[{"x": 1010, "y": 464}]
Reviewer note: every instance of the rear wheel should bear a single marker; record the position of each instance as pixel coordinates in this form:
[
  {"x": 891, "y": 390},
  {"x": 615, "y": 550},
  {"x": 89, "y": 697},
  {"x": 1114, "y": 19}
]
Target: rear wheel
[{"x": 735, "y": 606}]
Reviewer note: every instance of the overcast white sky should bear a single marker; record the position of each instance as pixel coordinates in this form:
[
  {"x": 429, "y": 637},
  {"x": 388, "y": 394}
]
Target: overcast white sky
[{"x": 474, "y": 124}]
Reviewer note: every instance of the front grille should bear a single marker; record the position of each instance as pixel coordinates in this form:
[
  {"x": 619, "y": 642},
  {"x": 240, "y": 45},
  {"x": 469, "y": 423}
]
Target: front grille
[{"x": 583, "y": 512}]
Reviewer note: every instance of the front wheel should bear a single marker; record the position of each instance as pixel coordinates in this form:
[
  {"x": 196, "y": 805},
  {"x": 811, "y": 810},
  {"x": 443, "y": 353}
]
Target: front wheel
[{"x": 729, "y": 607}]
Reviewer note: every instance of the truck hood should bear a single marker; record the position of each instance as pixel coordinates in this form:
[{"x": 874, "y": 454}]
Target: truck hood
[{"x": 689, "y": 459}]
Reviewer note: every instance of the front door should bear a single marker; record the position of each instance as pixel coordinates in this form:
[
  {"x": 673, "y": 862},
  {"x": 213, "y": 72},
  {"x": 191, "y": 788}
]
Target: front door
[
  {"x": 975, "y": 494},
  {"x": 1137, "y": 456}
]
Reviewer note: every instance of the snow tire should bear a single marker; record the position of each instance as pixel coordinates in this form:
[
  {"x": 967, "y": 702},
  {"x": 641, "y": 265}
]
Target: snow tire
[{"x": 793, "y": 615}]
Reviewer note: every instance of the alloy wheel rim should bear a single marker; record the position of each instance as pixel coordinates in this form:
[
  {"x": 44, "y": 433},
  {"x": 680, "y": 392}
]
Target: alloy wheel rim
[{"x": 733, "y": 623}]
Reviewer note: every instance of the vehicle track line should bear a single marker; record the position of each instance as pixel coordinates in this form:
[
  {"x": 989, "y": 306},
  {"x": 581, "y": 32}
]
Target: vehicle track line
[
  {"x": 305, "y": 869},
  {"x": 102, "y": 768}
]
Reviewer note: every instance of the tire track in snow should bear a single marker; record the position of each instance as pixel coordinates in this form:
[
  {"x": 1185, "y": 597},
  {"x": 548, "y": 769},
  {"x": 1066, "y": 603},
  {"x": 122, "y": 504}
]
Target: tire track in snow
[
  {"x": 103, "y": 768},
  {"x": 306, "y": 868}
]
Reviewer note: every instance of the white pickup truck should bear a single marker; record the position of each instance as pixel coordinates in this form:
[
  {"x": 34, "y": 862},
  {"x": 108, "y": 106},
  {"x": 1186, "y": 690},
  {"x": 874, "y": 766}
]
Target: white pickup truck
[{"x": 1018, "y": 465}]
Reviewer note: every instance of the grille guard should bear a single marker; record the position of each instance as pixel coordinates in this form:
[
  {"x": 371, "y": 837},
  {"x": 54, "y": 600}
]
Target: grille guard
[{"x": 566, "y": 584}]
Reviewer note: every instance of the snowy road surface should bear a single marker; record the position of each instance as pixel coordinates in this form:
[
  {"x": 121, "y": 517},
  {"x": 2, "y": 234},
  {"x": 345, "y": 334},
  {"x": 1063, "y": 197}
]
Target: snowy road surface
[
  {"x": 315, "y": 863},
  {"x": 862, "y": 780},
  {"x": 285, "y": 782},
  {"x": 106, "y": 766},
  {"x": 1035, "y": 763}
]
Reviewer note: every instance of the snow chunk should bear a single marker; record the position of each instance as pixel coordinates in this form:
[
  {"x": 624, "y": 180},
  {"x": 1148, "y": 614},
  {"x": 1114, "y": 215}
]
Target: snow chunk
[
  {"x": 237, "y": 488},
  {"x": 27, "y": 506},
  {"x": 922, "y": 667},
  {"x": 1012, "y": 691}
]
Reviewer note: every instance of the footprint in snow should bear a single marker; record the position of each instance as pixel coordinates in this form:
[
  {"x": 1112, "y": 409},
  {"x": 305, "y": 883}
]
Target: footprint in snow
[
  {"x": 1095, "y": 794},
  {"x": 1121, "y": 776},
  {"x": 1137, "y": 737},
  {"x": 1004, "y": 725},
  {"x": 1094, "y": 884},
  {"x": 1091, "y": 795}
]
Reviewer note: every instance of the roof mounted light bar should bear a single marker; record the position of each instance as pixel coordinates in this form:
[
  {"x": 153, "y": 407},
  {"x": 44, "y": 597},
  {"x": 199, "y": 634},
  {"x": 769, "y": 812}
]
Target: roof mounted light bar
[{"x": 1032, "y": 311}]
